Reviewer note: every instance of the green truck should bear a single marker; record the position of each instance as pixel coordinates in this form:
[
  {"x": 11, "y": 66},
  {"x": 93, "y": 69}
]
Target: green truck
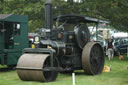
[{"x": 13, "y": 38}]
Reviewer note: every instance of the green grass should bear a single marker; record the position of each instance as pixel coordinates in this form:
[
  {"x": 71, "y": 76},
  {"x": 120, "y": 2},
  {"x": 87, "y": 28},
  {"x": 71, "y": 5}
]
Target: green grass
[{"x": 118, "y": 76}]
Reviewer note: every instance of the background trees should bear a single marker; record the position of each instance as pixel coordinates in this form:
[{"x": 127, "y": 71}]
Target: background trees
[{"x": 115, "y": 11}]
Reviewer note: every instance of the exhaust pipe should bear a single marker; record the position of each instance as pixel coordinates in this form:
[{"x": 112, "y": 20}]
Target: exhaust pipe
[{"x": 48, "y": 14}]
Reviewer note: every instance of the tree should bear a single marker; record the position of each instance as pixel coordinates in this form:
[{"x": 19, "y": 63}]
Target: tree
[
  {"x": 32, "y": 8},
  {"x": 116, "y": 11}
]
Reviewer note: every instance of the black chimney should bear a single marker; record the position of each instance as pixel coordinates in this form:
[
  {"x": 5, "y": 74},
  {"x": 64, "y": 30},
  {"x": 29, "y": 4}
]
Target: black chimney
[{"x": 48, "y": 14}]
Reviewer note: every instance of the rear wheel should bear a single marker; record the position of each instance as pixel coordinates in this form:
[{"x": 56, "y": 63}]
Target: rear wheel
[{"x": 93, "y": 58}]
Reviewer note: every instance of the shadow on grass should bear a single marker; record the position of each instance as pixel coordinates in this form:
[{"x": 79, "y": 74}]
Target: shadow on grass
[
  {"x": 76, "y": 73},
  {"x": 116, "y": 58},
  {"x": 6, "y": 69},
  {"x": 126, "y": 82},
  {"x": 80, "y": 73}
]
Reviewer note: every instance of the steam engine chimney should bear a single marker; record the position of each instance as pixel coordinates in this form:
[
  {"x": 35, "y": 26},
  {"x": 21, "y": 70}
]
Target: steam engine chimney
[{"x": 48, "y": 14}]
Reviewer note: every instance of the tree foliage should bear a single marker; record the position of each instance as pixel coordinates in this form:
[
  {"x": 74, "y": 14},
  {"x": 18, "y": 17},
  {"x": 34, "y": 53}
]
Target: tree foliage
[{"x": 116, "y": 11}]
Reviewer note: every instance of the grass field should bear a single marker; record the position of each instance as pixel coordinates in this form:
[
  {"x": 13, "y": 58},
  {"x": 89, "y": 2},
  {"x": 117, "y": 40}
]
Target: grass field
[{"x": 118, "y": 76}]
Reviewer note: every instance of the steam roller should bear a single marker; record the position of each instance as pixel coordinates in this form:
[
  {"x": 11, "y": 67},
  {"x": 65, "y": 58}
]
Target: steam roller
[{"x": 65, "y": 48}]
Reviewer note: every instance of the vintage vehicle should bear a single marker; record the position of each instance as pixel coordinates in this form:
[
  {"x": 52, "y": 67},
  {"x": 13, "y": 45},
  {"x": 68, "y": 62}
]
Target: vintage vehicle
[
  {"x": 64, "y": 47},
  {"x": 121, "y": 45},
  {"x": 13, "y": 38}
]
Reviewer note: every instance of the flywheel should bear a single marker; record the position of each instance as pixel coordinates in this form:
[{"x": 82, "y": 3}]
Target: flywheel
[
  {"x": 30, "y": 68},
  {"x": 82, "y": 35},
  {"x": 93, "y": 58}
]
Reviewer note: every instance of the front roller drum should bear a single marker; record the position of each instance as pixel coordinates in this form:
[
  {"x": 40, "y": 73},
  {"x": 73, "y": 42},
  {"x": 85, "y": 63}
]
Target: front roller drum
[
  {"x": 93, "y": 58},
  {"x": 30, "y": 68}
]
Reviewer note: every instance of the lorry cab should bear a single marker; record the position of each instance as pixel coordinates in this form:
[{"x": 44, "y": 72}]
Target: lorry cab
[{"x": 13, "y": 38}]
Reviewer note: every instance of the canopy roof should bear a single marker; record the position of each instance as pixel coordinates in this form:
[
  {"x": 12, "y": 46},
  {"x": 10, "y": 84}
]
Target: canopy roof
[
  {"x": 13, "y": 18},
  {"x": 78, "y": 19}
]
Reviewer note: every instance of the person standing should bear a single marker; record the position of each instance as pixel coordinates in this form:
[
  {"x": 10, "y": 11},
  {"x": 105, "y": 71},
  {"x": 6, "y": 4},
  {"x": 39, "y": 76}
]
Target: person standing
[{"x": 110, "y": 49}]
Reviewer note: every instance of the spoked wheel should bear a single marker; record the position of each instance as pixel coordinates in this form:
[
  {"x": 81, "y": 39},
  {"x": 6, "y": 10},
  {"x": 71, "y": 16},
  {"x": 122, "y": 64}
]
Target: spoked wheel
[
  {"x": 93, "y": 58},
  {"x": 30, "y": 68}
]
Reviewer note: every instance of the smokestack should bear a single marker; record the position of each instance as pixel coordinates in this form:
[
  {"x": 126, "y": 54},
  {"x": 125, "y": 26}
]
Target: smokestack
[{"x": 48, "y": 14}]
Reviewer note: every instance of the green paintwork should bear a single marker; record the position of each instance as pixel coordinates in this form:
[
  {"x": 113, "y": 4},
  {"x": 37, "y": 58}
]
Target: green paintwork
[
  {"x": 20, "y": 38},
  {"x": 14, "y": 18}
]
